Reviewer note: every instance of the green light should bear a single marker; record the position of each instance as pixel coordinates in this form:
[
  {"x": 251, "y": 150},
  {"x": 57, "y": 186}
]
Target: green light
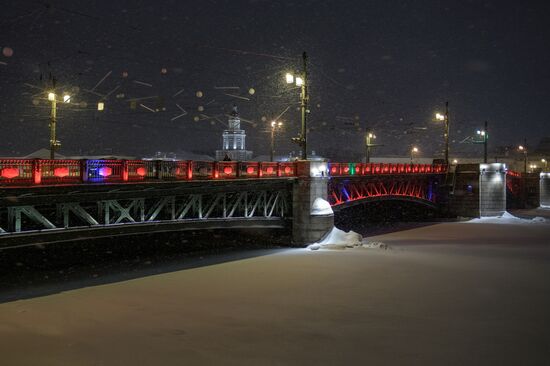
[{"x": 352, "y": 169}]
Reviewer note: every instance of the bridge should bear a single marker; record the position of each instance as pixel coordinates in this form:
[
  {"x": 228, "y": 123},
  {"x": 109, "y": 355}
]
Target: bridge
[
  {"x": 43, "y": 201},
  {"x": 48, "y": 201}
]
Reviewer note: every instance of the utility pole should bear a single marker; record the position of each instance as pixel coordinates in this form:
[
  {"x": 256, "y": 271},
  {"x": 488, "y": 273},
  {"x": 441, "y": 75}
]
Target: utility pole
[
  {"x": 272, "y": 150},
  {"x": 304, "y": 98},
  {"x": 274, "y": 125},
  {"x": 53, "y": 119},
  {"x": 302, "y": 81},
  {"x": 447, "y": 122},
  {"x": 485, "y": 138},
  {"x": 525, "y": 155},
  {"x": 369, "y": 136},
  {"x": 367, "y": 148}
]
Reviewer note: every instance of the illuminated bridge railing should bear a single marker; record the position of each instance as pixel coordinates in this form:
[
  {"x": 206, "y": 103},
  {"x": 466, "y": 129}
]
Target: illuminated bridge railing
[
  {"x": 350, "y": 169},
  {"x": 28, "y": 172}
]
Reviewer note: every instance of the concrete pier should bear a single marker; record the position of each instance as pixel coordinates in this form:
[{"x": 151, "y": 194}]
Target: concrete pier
[
  {"x": 544, "y": 189},
  {"x": 492, "y": 189},
  {"x": 311, "y": 221}
]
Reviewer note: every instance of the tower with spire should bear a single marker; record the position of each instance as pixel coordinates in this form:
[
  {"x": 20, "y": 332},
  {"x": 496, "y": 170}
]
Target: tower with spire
[{"x": 234, "y": 144}]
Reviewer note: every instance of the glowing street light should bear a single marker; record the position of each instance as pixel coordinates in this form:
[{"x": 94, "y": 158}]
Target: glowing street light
[
  {"x": 414, "y": 150},
  {"x": 100, "y": 106},
  {"x": 545, "y": 164},
  {"x": 289, "y": 78},
  {"x": 369, "y": 136},
  {"x": 54, "y": 143},
  {"x": 523, "y": 149},
  {"x": 484, "y": 135},
  {"x": 455, "y": 161},
  {"x": 445, "y": 118},
  {"x": 274, "y": 125},
  {"x": 302, "y": 82}
]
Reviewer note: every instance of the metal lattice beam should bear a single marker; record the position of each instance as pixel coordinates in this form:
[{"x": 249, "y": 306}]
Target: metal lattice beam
[{"x": 212, "y": 205}]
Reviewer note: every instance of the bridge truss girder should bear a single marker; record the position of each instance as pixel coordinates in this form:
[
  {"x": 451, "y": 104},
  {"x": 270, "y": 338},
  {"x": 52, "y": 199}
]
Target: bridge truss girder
[{"x": 177, "y": 207}]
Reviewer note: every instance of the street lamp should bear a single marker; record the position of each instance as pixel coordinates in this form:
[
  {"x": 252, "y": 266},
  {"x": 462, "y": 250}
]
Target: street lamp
[
  {"x": 545, "y": 164},
  {"x": 484, "y": 134},
  {"x": 523, "y": 149},
  {"x": 302, "y": 82},
  {"x": 369, "y": 136},
  {"x": 274, "y": 126},
  {"x": 445, "y": 118},
  {"x": 54, "y": 143},
  {"x": 414, "y": 150}
]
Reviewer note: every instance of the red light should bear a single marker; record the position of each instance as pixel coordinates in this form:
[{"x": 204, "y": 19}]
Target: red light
[
  {"x": 269, "y": 170},
  {"x": 250, "y": 170},
  {"x": 10, "y": 172},
  {"x": 333, "y": 169},
  {"x": 105, "y": 171},
  {"x": 287, "y": 170},
  {"x": 61, "y": 172},
  {"x": 346, "y": 169},
  {"x": 227, "y": 170},
  {"x": 141, "y": 171}
]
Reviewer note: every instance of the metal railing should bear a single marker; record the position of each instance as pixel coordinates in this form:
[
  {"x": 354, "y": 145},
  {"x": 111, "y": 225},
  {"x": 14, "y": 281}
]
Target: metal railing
[{"x": 17, "y": 172}]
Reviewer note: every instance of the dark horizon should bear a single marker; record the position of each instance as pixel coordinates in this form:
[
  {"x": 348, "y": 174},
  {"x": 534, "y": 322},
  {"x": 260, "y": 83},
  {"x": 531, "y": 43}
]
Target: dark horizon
[{"x": 386, "y": 66}]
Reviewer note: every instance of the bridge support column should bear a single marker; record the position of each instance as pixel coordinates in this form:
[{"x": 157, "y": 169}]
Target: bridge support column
[
  {"x": 544, "y": 189},
  {"x": 492, "y": 189},
  {"x": 312, "y": 217}
]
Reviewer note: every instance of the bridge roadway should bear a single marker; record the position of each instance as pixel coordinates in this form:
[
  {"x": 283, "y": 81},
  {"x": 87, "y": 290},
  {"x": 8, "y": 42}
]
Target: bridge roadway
[{"x": 56, "y": 201}]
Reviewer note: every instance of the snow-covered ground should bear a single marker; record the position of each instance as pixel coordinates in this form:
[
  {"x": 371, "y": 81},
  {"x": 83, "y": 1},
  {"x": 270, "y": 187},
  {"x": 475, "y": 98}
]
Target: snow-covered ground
[
  {"x": 508, "y": 218},
  {"x": 447, "y": 294}
]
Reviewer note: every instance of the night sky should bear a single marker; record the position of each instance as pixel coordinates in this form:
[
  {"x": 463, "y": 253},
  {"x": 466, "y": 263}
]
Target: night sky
[{"x": 387, "y": 65}]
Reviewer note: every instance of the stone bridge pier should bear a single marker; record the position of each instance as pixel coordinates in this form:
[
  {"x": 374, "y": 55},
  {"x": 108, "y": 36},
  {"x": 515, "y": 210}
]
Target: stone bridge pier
[
  {"x": 478, "y": 190},
  {"x": 312, "y": 216},
  {"x": 544, "y": 189}
]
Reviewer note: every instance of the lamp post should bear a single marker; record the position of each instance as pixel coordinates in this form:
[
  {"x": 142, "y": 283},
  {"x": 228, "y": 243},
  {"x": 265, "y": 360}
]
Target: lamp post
[
  {"x": 369, "y": 136},
  {"x": 414, "y": 150},
  {"x": 302, "y": 82},
  {"x": 274, "y": 126},
  {"x": 484, "y": 137},
  {"x": 445, "y": 118},
  {"x": 54, "y": 143},
  {"x": 523, "y": 149},
  {"x": 52, "y": 97},
  {"x": 545, "y": 164}
]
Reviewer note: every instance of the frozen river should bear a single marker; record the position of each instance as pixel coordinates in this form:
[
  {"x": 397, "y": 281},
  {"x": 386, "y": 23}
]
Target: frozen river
[{"x": 473, "y": 293}]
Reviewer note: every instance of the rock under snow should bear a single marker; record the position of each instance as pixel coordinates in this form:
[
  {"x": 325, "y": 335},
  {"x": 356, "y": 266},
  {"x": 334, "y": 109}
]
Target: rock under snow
[{"x": 338, "y": 239}]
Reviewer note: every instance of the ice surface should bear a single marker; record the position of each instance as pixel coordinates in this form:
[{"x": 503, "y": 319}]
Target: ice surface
[
  {"x": 508, "y": 218},
  {"x": 450, "y": 294}
]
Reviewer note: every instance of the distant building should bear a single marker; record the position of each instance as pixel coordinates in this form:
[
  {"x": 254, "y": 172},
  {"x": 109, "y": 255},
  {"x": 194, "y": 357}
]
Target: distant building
[{"x": 234, "y": 140}]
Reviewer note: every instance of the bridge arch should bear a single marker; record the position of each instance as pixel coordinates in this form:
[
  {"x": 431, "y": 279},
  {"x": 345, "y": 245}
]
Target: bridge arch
[{"x": 365, "y": 200}]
